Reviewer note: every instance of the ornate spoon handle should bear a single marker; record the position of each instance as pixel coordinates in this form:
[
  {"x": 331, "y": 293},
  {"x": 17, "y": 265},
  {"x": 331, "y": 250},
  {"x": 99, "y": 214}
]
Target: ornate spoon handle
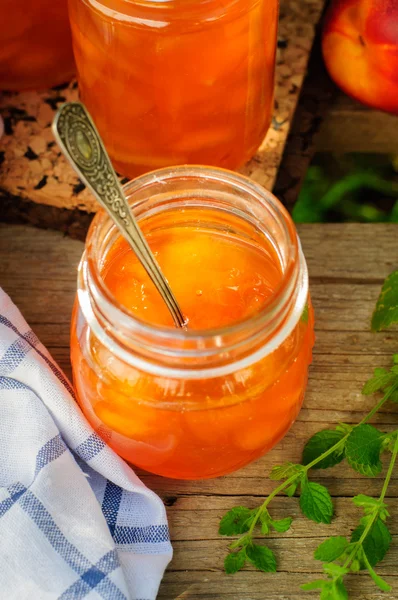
[{"x": 80, "y": 142}]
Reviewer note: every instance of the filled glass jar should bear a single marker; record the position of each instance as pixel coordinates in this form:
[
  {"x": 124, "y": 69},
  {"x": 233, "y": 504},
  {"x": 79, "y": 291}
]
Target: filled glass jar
[
  {"x": 206, "y": 400},
  {"x": 35, "y": 44},
  {"x": 176, "y": 81}
]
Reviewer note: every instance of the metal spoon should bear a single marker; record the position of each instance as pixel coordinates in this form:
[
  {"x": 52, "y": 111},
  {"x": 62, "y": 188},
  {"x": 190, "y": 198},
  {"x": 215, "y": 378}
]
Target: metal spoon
[{"x": 79, "y": 140}]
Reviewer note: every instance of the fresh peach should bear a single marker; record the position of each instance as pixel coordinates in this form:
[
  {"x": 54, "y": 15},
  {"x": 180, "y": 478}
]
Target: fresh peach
[{"x": 360, "y": 48}]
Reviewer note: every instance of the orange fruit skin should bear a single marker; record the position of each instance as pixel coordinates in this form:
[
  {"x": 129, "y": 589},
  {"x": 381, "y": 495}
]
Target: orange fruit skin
[{"x": 360, "y": 49}]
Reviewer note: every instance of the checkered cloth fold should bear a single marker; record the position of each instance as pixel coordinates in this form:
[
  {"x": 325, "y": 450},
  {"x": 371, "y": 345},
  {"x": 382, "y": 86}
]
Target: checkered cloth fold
[{"x": 75, "y": 521}]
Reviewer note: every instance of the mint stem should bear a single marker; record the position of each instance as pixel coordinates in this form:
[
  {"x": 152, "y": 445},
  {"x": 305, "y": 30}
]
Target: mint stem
[
  {"x": 390, "y": 470},
  {"x": 378, "y": 406}
]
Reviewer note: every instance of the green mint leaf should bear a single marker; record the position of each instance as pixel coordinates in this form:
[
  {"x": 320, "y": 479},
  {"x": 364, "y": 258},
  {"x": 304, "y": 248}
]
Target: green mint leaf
[
  {"x": 330, "y": 590},
  {"x": 285, "y": 471},
  {"x": 262, "y": 558},
  {"x": 305, "y": 314},
  {"x": 383, "y": 512},
  {"x": 344, "y": 428},
  {"x": 320, "y": 443},
  {"x": 388, "y": 441},
  {"x": 328, "y": 593},
  {"x": 334, "y": 570},
  {"x": 331, "y": 549},
  {"x": 291, "y": 489},
  {"x": 355, "y": 566},
  {"x": 339, "y": 589},
  {"x": 282, "y": 525},
  {"x": 380, "y": 380},
  {"x": 386, "y": 311},
  {"x": 363, "y": 449},
  {"x": 235, "y": 561},
  {"x": 315, "y": 502},
  {"x": 264, "y": 528},
  {"x": 376, "y": 543},
  {"x": 265, "y": 520},
  {"x": 366, "y": 502},
  {"x": 371, "y": 505},
  {"x": 392, "y": 394},
  {"x": 315, "y": 585},
  {"x": 236, "y": 521}
]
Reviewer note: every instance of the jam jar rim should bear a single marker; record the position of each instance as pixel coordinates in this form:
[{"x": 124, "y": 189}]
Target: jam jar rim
[{"x": 295, "y": 275}]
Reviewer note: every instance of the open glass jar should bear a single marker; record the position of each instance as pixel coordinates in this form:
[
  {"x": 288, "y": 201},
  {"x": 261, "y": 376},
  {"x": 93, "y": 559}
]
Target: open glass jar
[
  {"x": 173, "y": 82},
  {"x": 35, "y": 44},
  {"x": 196, "y": 403}
]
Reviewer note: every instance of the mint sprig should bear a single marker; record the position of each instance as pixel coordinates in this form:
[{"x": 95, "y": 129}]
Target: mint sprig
[
  {"x": 369, "y": 544},
  {"x": 361, "y": 445}
]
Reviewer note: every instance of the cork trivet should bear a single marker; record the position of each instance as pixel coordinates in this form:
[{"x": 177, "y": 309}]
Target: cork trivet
[{"x": 36, "y": 183}]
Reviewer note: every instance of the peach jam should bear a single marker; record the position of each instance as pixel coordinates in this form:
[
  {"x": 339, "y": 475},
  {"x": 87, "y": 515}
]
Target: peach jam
[
  {"x": 172, "y": 82},
  {"x": 35, "y": 44},
  {"x": 206, "y": 400}
]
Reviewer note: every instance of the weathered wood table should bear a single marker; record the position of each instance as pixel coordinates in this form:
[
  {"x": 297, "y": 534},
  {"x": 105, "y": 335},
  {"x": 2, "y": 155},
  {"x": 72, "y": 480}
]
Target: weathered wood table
[{"x": 347, "y": 266}]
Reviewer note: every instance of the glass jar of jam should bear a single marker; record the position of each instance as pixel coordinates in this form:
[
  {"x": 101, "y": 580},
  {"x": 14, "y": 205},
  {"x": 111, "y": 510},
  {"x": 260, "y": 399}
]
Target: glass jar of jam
[
  {"x": 204, "y": 401},
  {"x": 176, "y": 81},
  {"x": 35, "y": 44}
]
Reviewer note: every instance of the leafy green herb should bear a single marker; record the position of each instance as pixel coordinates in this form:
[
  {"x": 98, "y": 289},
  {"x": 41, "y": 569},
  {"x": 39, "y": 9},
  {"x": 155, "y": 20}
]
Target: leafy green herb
[
  {"x": 285, "y": 471},
  {"x": 290, "y": 490},
  {"x": 235, "y": 561},
  {"x": 236, "y": 521},
  {"x": 282, "y": 525},
  {"x": 319, "y": 443},
  {"x": 369, "y": 543},
  {"x": 315, "y": 502},
  {"x": 376, "y": 542},
  {"x": 386, "y": 311},
  {"x": 361, "y": 445},
  {"x": 363, "y": 449},
  {"x": 261, "y": 557},
  {"x": 368, "y": 504},
  {"x": 378, "y": 383},
  {"x": 331, "y": 549}
]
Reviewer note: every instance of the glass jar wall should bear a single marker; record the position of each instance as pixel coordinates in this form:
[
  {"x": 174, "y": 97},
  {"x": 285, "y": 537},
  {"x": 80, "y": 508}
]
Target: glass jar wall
[
  {"x": 35, "y": 44},
  {"x": 202, "y": 402},
  {"x": 177, "y": 81}
]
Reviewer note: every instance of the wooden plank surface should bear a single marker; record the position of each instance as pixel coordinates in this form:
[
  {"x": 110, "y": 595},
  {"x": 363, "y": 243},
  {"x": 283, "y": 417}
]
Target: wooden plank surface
[
  {"x": 347, "y": 265},
  {"x": 349, "y": 126},
  {"x": 33, "y": 174}
]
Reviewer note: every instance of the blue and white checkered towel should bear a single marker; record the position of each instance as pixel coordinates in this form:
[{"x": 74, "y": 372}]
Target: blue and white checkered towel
[{"x": 75, "y": 521}]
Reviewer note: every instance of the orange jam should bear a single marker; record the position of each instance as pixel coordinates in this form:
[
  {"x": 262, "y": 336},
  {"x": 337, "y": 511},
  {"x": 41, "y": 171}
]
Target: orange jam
[
  {"x": 193, "y": 426},
  {"x": 216, "y": 280},
  {"x": 177, "y": 81},
  {"x": 35, "y": 44}
]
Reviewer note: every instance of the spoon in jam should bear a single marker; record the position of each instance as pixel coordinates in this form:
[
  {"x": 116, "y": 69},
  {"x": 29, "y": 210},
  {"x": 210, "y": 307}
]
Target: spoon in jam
[{"x": 80, "y": 142}]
